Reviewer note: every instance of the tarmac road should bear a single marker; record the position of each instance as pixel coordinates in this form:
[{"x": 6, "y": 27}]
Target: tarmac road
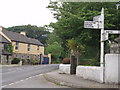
[{"x": 27, "y": 76}]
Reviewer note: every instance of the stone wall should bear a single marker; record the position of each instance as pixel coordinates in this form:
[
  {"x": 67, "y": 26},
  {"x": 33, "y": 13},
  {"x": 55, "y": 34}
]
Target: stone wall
[
  {"x": 89, "y": 72},
  {"x": 115, "y": 48},
  {"x": 21, "y": 56},
  {"x": 64, "y": 68},
  {"x": 4, "y": 59},
  {"x": 112, "y": 68},
  {"x": 25, "y": 56}
]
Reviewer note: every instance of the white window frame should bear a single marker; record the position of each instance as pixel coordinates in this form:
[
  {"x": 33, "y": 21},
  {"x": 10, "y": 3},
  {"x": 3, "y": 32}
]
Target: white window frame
[
  {"x": 28, "y": 47},
  {"x": 38, "y": 48},
  {"x": 22, "y": 57},
  {"x": 28, "y": 57},
  {"x": 17, "y": 46}
]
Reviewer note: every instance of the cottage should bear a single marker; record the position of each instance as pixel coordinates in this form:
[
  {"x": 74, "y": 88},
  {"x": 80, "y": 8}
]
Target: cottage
[{"x": 22, "y": 47}]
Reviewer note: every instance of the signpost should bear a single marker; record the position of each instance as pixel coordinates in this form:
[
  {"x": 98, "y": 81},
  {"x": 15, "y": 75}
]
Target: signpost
[
  {"x": 98, "y": 23},
  {"x": 112, "y": 31},
  {"x": 105, "y": 37},
  {"x": 97, "y": 18}
]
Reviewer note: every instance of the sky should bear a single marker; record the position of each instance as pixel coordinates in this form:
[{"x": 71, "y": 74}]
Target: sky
[{"x": 24, "y": 12}]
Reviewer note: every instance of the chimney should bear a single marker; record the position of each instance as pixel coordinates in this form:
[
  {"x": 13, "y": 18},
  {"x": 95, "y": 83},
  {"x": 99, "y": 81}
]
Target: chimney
[
  {"x": 23, "y": 33},
  {"x": 1, "y": 28}
]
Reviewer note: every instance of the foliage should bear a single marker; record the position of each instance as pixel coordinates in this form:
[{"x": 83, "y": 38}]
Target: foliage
[
  {"x": 53, "y": 38},
  {"x": 70, "y": 24},
  {"x": 9, "y": 48},
  {"x": 55, "y": 49},
  {"x": 40, "y": 33},
  {"x": 33, "y": 62},
  {"x": 55, "y": 62},
  {"x": 89, "y": 62},
  {"x": 66, "y": 61},
  {"x": 75, "y": 46},
  {"x": 23, "y": 61},
  {"x": 15, "y": 60}
]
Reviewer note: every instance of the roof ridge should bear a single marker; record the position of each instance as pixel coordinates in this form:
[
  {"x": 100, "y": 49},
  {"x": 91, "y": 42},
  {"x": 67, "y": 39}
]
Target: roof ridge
[{"x": 14, "y": 36}]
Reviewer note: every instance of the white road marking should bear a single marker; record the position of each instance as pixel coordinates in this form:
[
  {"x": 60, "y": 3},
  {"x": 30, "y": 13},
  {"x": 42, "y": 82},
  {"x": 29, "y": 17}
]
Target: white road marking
[
  {"x": 3, "y": 86},
  {"x": 21, "y": 80},
  {"x": 10, "y": 84}
]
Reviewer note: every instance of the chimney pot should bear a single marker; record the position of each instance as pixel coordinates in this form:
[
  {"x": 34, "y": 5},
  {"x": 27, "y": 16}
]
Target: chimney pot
[{"x": 23, "y": 33}]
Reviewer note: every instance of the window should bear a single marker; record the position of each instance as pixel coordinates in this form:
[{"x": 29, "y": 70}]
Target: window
[
  {"x": 22, "y": 57},
  {"x": 28, "y": 47},
  {"x": 38, "y": 48},
  {"x": 5, "y": 46},
  {"x": 28, "y": 57},
  {"x": 16, "y": 46}
]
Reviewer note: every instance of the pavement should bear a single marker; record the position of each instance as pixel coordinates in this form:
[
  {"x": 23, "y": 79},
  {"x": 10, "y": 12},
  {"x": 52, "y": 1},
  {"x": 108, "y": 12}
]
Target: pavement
[{"x": 75, "y": 81}]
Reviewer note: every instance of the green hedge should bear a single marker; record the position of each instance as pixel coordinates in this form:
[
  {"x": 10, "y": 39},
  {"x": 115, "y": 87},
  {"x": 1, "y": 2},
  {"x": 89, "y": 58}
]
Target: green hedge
[{"x": 15, "y": 61}]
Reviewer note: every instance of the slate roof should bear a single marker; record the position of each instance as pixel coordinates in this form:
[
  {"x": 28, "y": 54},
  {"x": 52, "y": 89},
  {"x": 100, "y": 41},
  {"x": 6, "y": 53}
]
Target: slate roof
[
  {"x": 21, "y": 38},
  {"x": 3, "y": 40}
]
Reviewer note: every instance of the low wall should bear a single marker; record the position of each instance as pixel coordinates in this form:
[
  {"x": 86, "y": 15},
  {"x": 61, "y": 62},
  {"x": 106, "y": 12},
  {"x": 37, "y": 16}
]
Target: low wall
[
  {"x": 112, "y": 68},
  {"x": 89, "y": 72},
  {"x": 64, "y": 68}
]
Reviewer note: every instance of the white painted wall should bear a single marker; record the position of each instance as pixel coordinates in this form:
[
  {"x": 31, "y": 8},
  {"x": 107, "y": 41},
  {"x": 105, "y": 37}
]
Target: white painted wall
[
  {"x": 112, "y": 68},
  {"x": 89, "y": 72},
  {"x": 64, "y": 68}
]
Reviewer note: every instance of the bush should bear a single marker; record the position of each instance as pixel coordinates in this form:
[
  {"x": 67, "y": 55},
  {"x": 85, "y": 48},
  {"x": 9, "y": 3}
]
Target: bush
[
  {"x": 55, "y": 62},
  {"x": 15, "y": 61},
  {"x": 23, "y": 61},
  {"x": 33, "y": 62},
  {"x": 66, "y": 61}
]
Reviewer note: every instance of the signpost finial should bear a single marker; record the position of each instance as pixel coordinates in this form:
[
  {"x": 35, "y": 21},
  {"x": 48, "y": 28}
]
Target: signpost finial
[{"x": 102, "y": 11}]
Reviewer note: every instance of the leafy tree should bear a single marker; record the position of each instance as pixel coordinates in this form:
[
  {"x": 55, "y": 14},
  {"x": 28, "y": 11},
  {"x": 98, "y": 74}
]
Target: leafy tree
[
  {"x": 53, "y": 38},
  {"x": 55, "y": 49},
  {"x": 9, "y": 48},
  {"x": 76, "y": 48},
  {"x": 70, "y": 24}
]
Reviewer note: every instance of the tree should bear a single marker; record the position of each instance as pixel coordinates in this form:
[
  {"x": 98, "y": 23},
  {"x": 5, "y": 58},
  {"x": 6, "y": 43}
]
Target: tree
[
  {"x": 76, "y": 48},
  {"x": 70, "y": 24},
  {"x": 55, "y": 49}
]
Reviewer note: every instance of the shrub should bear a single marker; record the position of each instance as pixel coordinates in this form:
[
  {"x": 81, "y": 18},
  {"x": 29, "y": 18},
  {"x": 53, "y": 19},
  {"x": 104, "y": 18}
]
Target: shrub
[
  {"x": 66, "y": 61},
  {"x": 15, "y": 61},
  {"x": 23, "y": 61},
  {"x": 55, "y": 62},
  {"x": 33, "y": 62}
]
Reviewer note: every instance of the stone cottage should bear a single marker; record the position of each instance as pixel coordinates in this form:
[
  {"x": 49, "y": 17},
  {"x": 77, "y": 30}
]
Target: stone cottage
[{"x": 22, "y": 47}]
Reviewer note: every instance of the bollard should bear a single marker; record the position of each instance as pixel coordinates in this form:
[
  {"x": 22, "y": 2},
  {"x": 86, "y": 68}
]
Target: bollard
[
  {"x": 20, "y": 63},
  {"x": 73, "y": 61}
]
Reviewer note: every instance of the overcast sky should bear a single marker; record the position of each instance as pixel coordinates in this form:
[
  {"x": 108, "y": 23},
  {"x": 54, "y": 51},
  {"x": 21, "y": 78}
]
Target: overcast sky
[{"x": 24, "y": 12}]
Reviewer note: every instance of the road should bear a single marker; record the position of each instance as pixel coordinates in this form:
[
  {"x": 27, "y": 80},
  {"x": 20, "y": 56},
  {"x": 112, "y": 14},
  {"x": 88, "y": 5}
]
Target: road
[{"x": 27, "y": 76}]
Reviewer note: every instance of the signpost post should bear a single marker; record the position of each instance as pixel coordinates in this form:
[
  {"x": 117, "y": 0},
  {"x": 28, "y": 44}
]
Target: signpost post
[{"x": 102, "y": 47}]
